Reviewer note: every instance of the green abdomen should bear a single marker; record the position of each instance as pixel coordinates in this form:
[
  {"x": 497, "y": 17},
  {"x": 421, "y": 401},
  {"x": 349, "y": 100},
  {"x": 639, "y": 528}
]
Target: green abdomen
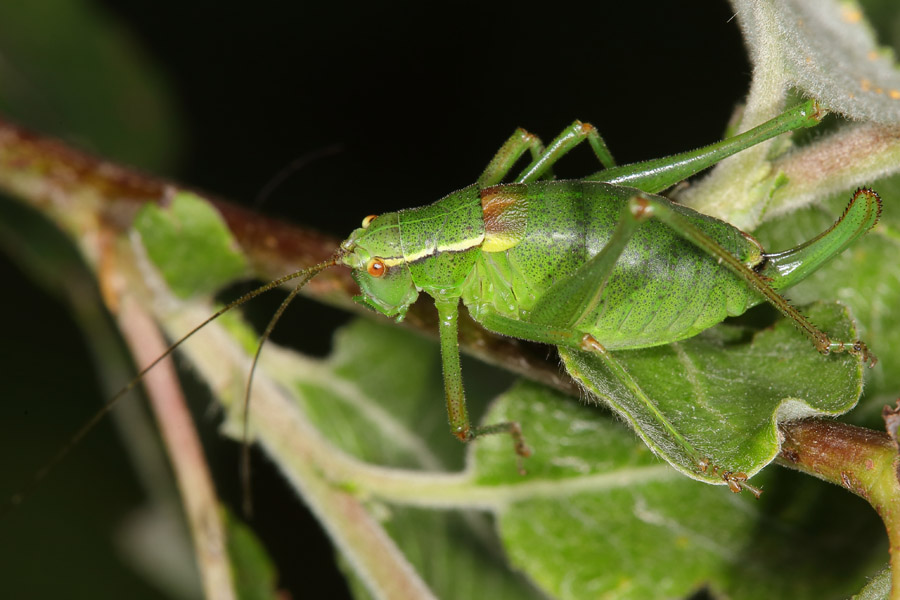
[{"x": 663, "y": 288}]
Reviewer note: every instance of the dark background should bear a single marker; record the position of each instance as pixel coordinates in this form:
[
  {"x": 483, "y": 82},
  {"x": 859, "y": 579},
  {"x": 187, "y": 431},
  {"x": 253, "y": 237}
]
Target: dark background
[{"x": 406, "y": 104}]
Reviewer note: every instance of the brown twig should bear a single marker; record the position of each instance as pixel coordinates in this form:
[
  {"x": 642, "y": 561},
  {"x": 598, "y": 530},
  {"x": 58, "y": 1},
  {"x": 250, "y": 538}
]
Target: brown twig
[{"x": 860, "y": 460}]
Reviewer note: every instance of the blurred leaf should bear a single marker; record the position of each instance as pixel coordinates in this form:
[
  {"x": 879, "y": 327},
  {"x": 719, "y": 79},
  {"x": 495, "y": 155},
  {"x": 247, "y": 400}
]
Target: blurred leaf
[
  {"x": 254, "y": 574},
  {"x": 885, "y": 20},
  {"x": 67, "y": 68}
]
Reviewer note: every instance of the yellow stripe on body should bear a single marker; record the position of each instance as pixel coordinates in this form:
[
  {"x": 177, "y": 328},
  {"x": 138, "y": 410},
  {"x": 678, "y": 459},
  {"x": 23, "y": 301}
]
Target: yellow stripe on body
[{"x": 425, "y": 253}]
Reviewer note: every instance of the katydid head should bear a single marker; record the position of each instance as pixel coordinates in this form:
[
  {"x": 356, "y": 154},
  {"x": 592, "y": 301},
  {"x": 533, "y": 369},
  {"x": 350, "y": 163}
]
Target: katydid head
[{"x": 374, "y": 254}]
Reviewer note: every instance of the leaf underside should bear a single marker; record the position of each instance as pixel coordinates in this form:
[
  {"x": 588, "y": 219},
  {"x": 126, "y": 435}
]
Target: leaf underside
[{"x": 724, "y": 392}]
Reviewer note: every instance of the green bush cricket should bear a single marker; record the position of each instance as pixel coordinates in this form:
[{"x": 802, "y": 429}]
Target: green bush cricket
[{"x": 597, "y": 264}]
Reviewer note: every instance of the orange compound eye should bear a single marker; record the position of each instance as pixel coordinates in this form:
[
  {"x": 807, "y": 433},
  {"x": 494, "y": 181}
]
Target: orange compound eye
[
  {"x": 368, "y": 220},
  {"x": 376, "y": 267}
]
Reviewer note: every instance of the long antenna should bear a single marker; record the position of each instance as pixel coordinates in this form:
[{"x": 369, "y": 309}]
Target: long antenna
[
  {"x": 245, "y": 441},
  {"x": 18, "y": 497}
]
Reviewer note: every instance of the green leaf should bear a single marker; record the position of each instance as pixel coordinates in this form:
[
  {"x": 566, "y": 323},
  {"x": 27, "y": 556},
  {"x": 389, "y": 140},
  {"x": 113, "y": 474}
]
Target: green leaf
[
  {"x": 598, "y": 516},
  {"x": 724, "y": 394},
  {"x": 190, "y": 245},
  {"x": 596, "y": 513}
]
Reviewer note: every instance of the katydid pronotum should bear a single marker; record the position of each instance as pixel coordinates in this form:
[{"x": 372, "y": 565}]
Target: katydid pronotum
[{"x": 596, "y": 264}]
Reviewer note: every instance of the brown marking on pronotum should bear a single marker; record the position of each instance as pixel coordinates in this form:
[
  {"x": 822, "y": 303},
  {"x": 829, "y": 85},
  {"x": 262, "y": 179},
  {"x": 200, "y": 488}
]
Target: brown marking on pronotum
[
  {"x": 495, "y": 201},
  {"x": 505, "y": 214}
]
